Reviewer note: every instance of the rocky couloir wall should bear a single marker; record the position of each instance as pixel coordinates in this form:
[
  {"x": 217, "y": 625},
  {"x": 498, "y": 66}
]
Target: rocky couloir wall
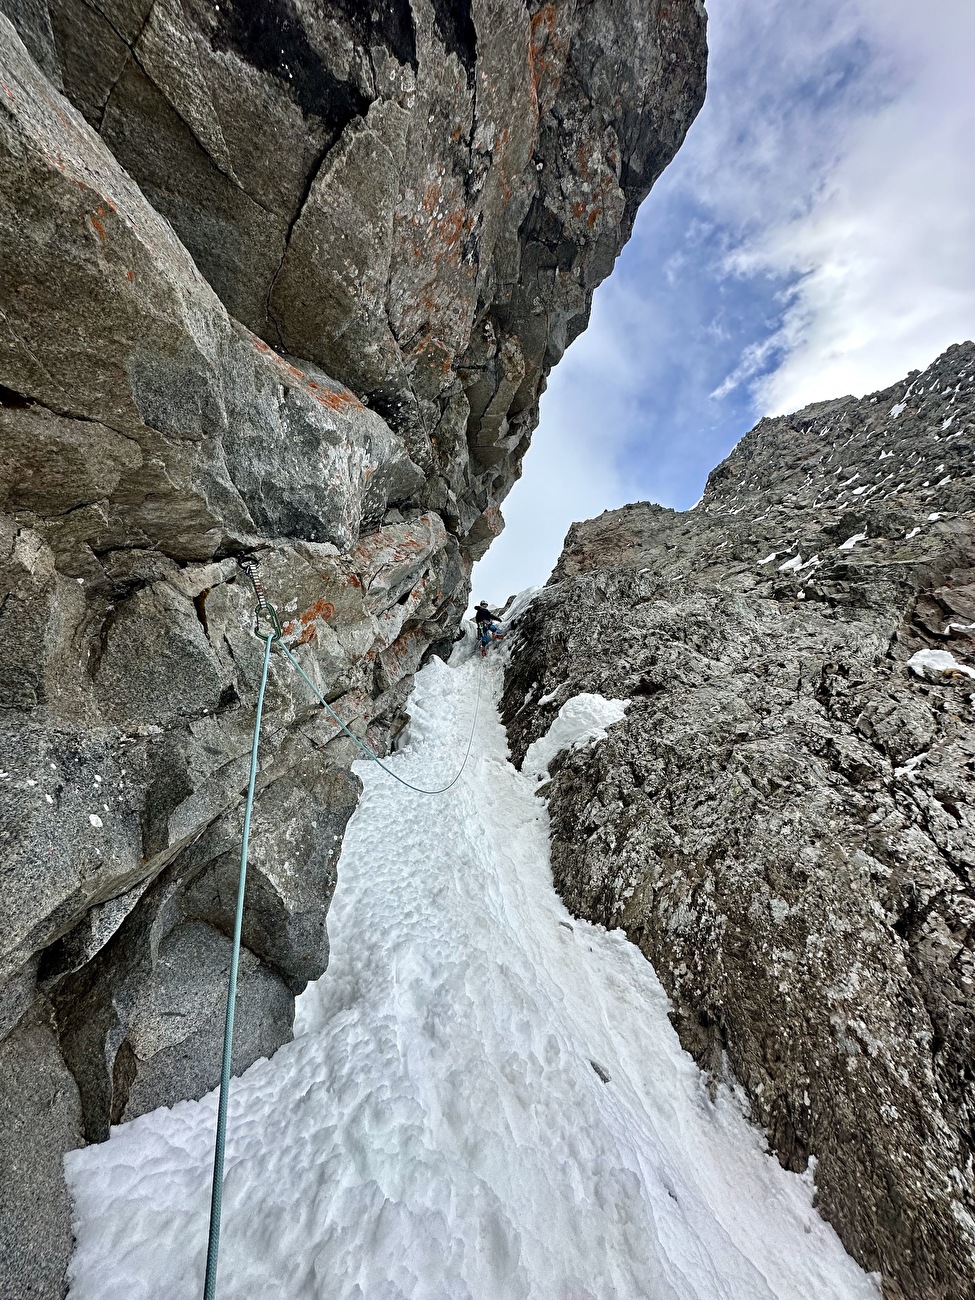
[
  {"x": 784, "y": 821},
  {"x": 283, "y": 279}
]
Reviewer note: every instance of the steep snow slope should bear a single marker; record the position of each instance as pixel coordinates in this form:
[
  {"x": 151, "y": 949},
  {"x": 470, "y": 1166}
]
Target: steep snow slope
[{"x": 485, "y": 1100}]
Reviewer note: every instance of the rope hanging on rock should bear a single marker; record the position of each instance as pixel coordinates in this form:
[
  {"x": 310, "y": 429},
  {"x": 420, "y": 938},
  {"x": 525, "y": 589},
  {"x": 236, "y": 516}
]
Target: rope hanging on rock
[
  {"x": 365, "y": 748},
  {"x": 216, "y": 1192},
  {"x": 267, "y": 614}
]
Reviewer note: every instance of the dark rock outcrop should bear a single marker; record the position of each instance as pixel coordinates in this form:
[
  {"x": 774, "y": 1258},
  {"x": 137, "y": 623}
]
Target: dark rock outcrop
[
  {"x": 417, "y": 199},
  {"x": 784, "y": 821}
]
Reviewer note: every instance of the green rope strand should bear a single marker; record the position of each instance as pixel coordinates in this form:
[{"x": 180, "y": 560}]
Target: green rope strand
[
  {"x": 365, "y": 748},
  {"x": 267, "y": 613},
  {"x": 216, "y": 1194}
]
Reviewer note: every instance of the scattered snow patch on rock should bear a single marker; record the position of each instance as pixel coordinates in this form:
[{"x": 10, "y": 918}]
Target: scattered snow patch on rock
[
  {"x": 581, "y": 721},
  {"x": 933, "y": 664}
]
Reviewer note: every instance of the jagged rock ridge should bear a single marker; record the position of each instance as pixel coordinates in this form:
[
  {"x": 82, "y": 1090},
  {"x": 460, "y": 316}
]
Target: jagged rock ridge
[
  {"x": 784, "y": 820},
  {"x": 282, "y": 279}
]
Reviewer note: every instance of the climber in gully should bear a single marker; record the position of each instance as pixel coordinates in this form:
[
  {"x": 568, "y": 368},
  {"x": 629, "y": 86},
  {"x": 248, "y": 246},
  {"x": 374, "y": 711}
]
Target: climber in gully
[{"x": 487, "y": 626}]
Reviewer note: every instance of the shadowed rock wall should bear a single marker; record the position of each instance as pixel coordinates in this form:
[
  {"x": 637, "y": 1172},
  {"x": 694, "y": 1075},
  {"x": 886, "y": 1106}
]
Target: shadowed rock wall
[
  {"x": 784, "y": 821},
  {"x": 420, "y": 198},
  {"x": 415, "y": 199}
]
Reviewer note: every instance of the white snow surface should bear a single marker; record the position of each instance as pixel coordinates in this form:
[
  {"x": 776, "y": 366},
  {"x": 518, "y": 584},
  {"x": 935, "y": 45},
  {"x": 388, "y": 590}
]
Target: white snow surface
[
  {"x": 926, "y": 662},
  {"x": 580, "y": 721},
  {"x": 850, "y": 542},
  {"x": 911, "y": 764},
  {"x": 438, "y": 1130}
]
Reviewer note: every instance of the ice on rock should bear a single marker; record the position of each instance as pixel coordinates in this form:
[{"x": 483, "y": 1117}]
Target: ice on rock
[{"x": 484, "y": 1101}]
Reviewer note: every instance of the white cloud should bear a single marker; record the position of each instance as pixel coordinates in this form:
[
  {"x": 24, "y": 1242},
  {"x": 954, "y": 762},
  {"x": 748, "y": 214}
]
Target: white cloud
[
  {"x": 752, "y": 361},
  {"x": 885, "y": 253},
  {"x": 785, "y": 81}
]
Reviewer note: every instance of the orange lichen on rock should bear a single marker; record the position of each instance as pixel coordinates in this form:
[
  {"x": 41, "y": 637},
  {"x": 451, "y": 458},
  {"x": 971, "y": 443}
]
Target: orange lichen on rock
[
  {"x": 431, "y": 198},
  {"x": 308, "y": 620},
  {"x": 309, "y": 634},
  {"x": 321, "y": 609},
  {"x": 336, "y": 399},
  {"x": 452, "y": 228},
  {"x": 542, "y": 30}
]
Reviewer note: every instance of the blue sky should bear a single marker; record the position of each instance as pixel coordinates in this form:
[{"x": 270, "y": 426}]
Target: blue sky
[{"x": 815, "y": 236}]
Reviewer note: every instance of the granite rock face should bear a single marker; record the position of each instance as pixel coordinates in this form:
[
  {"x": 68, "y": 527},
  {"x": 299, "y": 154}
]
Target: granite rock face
[
  {"x": 784, "y": 821},
  {"x": 281, "y": 280},
  {"x": 418, "y": 197}
]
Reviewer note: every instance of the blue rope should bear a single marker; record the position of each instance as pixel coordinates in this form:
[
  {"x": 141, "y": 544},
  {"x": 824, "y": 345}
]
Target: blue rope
[
  {"x": 268, "y": 612},
  {"x": 365, "y": 748},
  {"x": 216, "y": 1194}
]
